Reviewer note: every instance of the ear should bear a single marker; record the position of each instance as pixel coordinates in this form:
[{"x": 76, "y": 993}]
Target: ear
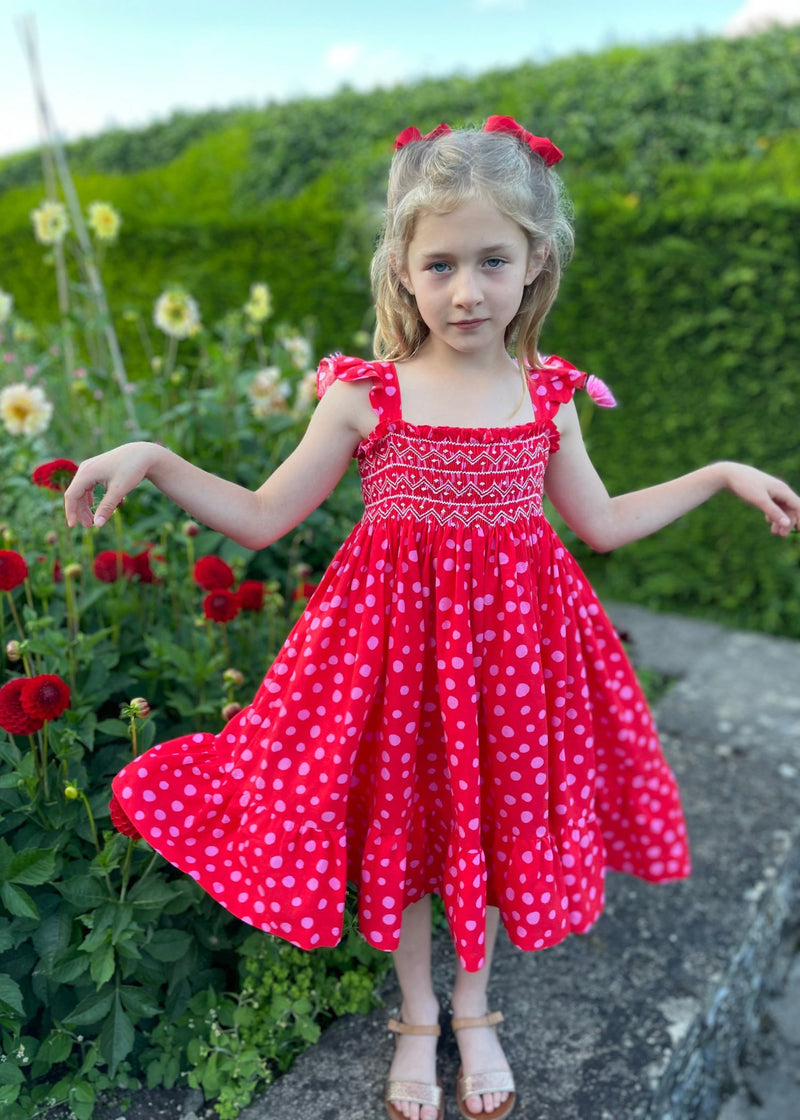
[
  {"x": 536, "y": 262},
  {"x": 402, "y": 274}
]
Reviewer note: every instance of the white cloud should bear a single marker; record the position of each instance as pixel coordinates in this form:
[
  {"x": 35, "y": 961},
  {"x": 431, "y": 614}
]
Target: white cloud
[
  {"x": 758, "y": 15},
  {"x": 342, "y": 56}
]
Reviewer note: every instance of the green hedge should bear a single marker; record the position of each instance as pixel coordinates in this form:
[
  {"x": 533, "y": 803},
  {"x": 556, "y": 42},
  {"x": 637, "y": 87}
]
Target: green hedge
[{"x": 683, "y": 162}]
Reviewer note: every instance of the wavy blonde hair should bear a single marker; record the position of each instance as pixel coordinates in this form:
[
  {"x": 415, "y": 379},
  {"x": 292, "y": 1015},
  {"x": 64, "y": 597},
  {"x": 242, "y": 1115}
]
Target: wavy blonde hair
[{"x": 436, "y": 176}]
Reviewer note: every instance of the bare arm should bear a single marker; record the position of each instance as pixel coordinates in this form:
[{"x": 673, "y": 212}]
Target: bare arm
[
  {"x": 252, "y": 518},
  {"x": 605, "y": 523}
]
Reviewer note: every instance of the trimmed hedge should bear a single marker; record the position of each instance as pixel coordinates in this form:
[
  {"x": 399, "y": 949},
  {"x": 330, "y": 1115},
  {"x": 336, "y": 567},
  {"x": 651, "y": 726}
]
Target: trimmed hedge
[{"x": 683, "y": 161}]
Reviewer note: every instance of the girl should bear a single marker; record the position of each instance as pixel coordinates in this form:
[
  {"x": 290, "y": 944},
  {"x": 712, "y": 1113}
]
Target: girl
[{"x": 453, "y": 713}]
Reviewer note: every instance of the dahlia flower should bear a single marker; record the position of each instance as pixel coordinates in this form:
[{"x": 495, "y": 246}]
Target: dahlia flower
[
  {"x": 55, "y": 475},
  {"x": 44, "y": 697},
  {"x": 50, "y": 222},
  {"x": 268, "y": 392},
  {"x": 13, "y": 569},
  {"x": 13, "y": 717},
  {"x": 212, "y": 573},
  {"x": 221, "y": 605},
  {"x": 176, "y": 314},
  {"x": 104, "y": 221},
  {"x": 259, "y": 307},
  {"x": 24, "y": 409}
]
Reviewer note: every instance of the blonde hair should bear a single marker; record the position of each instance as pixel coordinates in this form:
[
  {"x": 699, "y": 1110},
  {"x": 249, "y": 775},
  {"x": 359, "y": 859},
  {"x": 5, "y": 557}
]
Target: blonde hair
[{"x": 437, "y": 175}]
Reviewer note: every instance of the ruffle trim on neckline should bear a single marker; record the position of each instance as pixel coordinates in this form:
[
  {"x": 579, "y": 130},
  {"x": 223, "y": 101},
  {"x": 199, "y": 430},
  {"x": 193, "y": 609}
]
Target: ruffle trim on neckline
[{"x": 501, "y": 434}]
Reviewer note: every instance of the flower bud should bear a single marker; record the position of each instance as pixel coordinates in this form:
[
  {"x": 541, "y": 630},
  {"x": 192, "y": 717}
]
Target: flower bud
[
  {"x": 233, "y": 676},
  {"x": 139, "y": 708},
  {"x": 190, "y": 528},
  {"x": 51, "y": 538},
  {"x": 71, "y": 792},
  {"x": 230, "y": 710},
  {"x": 13, "y": 650},
  {"x": 73, "y": 571}
]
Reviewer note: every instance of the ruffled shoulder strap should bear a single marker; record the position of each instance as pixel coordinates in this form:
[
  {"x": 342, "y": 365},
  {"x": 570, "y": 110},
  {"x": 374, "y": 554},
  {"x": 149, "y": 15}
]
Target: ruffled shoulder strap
[
  {"x": 384, "y": 394},
  {"x": 554, "y": 382}
]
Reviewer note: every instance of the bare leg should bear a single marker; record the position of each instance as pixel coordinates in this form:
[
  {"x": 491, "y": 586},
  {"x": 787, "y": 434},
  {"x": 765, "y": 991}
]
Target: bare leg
[
  {"x": 415, "y": 1055},
  {"x": 479, "y": 1047}
]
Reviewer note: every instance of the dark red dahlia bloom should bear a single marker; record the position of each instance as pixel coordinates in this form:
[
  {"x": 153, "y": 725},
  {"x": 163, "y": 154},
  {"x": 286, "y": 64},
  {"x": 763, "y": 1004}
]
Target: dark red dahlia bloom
[
  {"x": 212, "y": 573},
  {"x": 13, "y": 569},
  {"x": 142, "y": 566},
  {"x": 304, "y": 590},
  {"x": 13, "y": 717},
  {"x": 56, "y": 475},
  {"x": 109, "y": 566},
  {"x": 250, "y": 594},
  {"x": 121, "y": 821},
  {"x": 221, "y": 605},
  {"x": 44, "y": 697}
]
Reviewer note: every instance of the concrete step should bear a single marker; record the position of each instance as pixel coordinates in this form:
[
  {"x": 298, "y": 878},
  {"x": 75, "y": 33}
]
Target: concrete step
[{"x": 645, "y": 1017}]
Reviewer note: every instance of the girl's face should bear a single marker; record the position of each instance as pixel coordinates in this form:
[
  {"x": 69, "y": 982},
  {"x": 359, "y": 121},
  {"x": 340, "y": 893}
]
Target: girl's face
[{"x": 467, "y": 270}]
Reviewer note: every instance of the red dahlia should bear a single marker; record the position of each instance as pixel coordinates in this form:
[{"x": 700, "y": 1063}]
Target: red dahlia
[
  {"x": 221, "y": 605},
  {"x": 121, "y": 821},
  {"x": 212, "y": 573},
  {"x": 13, "y": 717},
  {"x": 13, "y": 569},
  {"x": 142, "y": 566},
  {"x": 56, "y": 475},
  {"x": 250, "y": 594},
  {"x": 44, "y": 697},
  {"x": 109, "y": 566}
]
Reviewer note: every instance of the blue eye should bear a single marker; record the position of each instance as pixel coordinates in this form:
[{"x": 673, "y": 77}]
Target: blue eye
[
  {"x": 495, "y": 262},
  {"x": 439, "y": 267}
]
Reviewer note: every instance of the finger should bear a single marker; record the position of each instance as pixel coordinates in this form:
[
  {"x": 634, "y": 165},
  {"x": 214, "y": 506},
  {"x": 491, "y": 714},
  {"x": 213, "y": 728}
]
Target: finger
[{"x": 108, "y": 505}]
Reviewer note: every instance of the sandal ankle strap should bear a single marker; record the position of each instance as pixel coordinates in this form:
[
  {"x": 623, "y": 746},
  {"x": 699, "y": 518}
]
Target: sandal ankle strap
[
  {"x": 397, "y": 1027},
  {"x": 491, "y": 1019}
]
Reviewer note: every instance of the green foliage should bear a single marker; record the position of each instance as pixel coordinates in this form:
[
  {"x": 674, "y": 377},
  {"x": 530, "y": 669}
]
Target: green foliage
[{"x": 237, "y": 1042}]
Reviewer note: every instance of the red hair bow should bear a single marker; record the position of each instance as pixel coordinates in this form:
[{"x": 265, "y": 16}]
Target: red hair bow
[
  {"x": 538, "y": 144},
  {"x": 412, "y": 133}
]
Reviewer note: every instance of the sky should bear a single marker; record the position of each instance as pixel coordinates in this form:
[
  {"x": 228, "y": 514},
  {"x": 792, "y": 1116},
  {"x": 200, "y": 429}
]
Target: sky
[{"x": 118, "y": 63}]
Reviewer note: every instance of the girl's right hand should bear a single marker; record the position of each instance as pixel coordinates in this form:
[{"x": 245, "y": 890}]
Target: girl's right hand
[{"x": 119, "y": 471}]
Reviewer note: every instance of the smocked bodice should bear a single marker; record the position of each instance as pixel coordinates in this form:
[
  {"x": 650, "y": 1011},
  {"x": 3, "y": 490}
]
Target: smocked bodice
[{"x": 489, "y": 476}]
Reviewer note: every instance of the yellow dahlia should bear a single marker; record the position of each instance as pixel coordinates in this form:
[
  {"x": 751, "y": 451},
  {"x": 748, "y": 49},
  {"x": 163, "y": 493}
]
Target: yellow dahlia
[
  {"x": 177, "y": 314},
  {"x": 50, "y": 222},
  {"x": 104, "y": 221},
  {"x": 259, "y": 307},
  {"x": 24, "y": 409}
]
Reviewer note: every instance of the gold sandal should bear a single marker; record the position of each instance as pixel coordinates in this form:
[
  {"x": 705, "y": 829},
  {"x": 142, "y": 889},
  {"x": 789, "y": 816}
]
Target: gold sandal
[
  {"x": 418, "y": 1092},
  {"x": 492, "y": 1081}
]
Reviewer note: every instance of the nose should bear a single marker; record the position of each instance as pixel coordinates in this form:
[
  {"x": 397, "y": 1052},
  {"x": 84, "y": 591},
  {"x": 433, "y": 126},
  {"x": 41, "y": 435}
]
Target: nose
[{"x": 467, "y": 291}]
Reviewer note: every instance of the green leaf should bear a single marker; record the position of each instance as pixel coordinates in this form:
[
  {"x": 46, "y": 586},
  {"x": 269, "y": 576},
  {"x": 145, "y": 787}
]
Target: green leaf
[
  {"x": 18, "y": 901},
  {"x": 68, "y": 968},
  {"x": 56, "y": 1048},
  {"x": 83, "y": 891},
  {"x": 169, "y": 944},
  {"x": 33, "y": 866},
  {"x": 91, "y": 1009},
  {"x": 116, "y": 1038},
  {"x": 102, "y": 966},
  {"x": 10, "y": 993},
  {"x": 139, "y": 1002}
]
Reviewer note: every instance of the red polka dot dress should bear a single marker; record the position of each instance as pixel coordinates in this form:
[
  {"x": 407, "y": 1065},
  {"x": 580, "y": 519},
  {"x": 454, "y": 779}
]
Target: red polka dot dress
[{"x": 453, "y": 713}]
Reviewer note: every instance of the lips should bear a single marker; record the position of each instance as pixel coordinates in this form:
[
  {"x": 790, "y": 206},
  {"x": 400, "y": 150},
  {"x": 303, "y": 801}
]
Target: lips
[{"x": 468, "y": 324}]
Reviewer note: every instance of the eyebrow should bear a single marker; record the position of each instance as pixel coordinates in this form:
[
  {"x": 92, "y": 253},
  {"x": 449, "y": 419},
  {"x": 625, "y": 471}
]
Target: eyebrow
[{"x": 484, "y": 251}]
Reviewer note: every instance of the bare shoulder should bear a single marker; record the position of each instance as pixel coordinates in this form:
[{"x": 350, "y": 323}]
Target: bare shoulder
[{"x": 347, "y": 404}]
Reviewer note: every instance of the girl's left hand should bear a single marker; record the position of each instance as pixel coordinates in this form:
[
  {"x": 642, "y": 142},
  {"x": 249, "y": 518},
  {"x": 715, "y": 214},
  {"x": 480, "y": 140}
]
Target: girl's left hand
[{"x": 778, "y": 502}]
